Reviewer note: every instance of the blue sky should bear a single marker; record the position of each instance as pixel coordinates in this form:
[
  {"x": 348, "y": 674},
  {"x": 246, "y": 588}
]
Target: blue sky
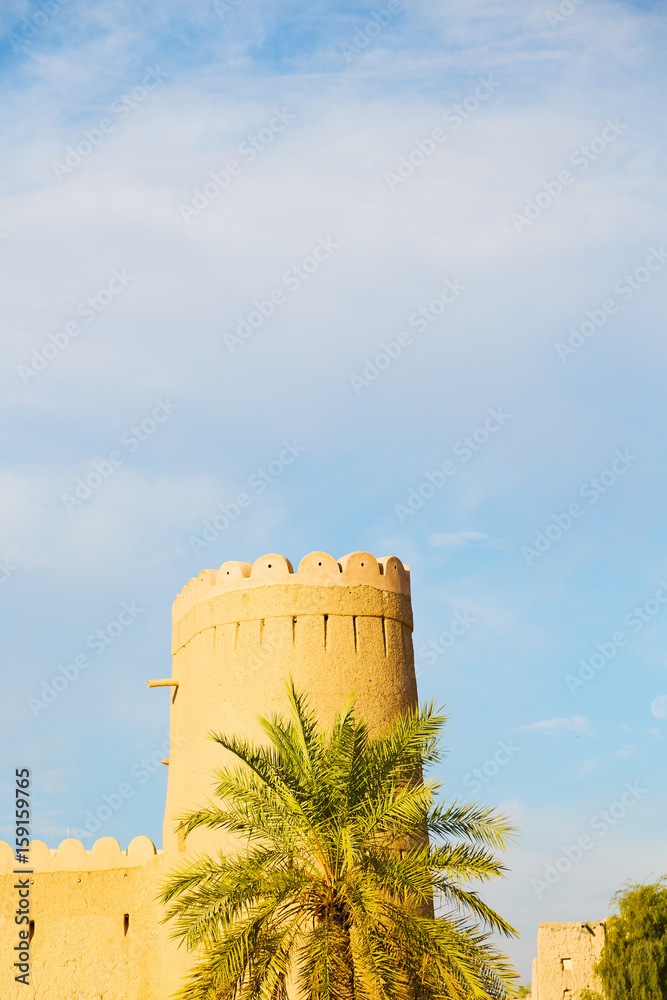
[{"x": 541, "y": 199}]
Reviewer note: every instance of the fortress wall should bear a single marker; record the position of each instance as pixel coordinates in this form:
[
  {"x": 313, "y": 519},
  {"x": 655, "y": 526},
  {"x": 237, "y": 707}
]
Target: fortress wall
[
  {"x": 96, "y": 923},
  {"x": 566, "y": 953},
  {"x": 338, "y": 628}
]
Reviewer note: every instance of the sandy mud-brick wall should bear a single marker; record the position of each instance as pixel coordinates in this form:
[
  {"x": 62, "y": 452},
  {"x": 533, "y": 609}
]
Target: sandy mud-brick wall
[
  {"x": 566, "y": 954},
  {"x": 94, "y": 923}
]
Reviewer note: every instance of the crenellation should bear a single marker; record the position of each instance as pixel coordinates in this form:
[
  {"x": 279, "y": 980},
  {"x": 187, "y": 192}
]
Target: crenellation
[
  {"x": 230, "y": 571},
  {"x": 71, "y": 855},
  {"x": 317, "y": 568},
  {"x": 140, "y": 849},
  {"x": 271, "y": 569},
  {"x": 361, "y": 564}
]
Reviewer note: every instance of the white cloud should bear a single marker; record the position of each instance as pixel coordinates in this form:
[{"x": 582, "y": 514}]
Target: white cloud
[
  {"x": 113, "y": 527},
  {"x": 627, "y": 750},
  {"x": 659, "y": 707},
  {"x": 587, "y": 767},
  {"x": 556, "y": 727}
]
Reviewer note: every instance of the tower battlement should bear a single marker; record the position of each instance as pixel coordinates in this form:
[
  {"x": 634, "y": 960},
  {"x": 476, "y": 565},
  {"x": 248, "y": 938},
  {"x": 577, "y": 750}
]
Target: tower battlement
[{"x": 316, "y": 569}]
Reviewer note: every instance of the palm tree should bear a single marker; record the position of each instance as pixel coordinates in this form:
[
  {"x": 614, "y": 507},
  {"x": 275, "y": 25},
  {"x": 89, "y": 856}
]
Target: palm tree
[{"x": 332, "y": 898}]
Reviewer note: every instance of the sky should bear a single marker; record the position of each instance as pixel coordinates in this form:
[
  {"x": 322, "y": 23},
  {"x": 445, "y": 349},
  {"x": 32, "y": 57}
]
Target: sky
[{"x": 419, "y": 243}]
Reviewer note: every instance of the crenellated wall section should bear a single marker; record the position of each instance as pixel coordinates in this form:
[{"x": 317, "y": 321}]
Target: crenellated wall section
[
  {"x": 95, "y": 930},
  {"x": 71, "y": 855}
]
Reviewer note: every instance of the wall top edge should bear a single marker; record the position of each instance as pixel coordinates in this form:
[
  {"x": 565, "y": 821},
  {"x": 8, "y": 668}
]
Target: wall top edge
[
  {"x": 317, "y": 569},
  {"x": 71, "y": 855},
  {"x": 569, "y": 924}
]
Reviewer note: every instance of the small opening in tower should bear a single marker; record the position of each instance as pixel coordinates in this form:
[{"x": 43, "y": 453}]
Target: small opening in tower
[
  {"x": 362, "y": 564},
  {"x": 126, "y": 923},
  {"x": 269, "y": 565},
  {"x": 31, "y": 931}
]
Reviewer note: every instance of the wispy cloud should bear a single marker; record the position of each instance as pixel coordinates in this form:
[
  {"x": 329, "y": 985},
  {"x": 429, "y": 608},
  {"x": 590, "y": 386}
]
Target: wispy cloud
[
  {"x": 587, "y": 767},
  {"x": 659, "y": 707},
  {"x": 627, "y": 750},
  {"x": 556, "y": 727},
  {"x": 451, "y": 219}
]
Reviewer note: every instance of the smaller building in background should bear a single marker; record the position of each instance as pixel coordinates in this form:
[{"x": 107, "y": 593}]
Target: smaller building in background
[{"x": 566, "y": 954}]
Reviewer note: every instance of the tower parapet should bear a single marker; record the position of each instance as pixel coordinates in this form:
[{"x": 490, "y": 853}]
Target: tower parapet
[
  {"x": 315, "y": 569},
  {"x": 340, "y": 628}
]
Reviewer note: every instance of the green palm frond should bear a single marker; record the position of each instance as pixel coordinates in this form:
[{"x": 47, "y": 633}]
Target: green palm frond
[
  {"x": 342, "y": 850},
  {"x": 472, "y": 822}
]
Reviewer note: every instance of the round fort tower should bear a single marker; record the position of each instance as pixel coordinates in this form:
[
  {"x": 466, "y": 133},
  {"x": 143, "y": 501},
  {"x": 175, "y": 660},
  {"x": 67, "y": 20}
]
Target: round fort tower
[{"x": 338, "y": 628}]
